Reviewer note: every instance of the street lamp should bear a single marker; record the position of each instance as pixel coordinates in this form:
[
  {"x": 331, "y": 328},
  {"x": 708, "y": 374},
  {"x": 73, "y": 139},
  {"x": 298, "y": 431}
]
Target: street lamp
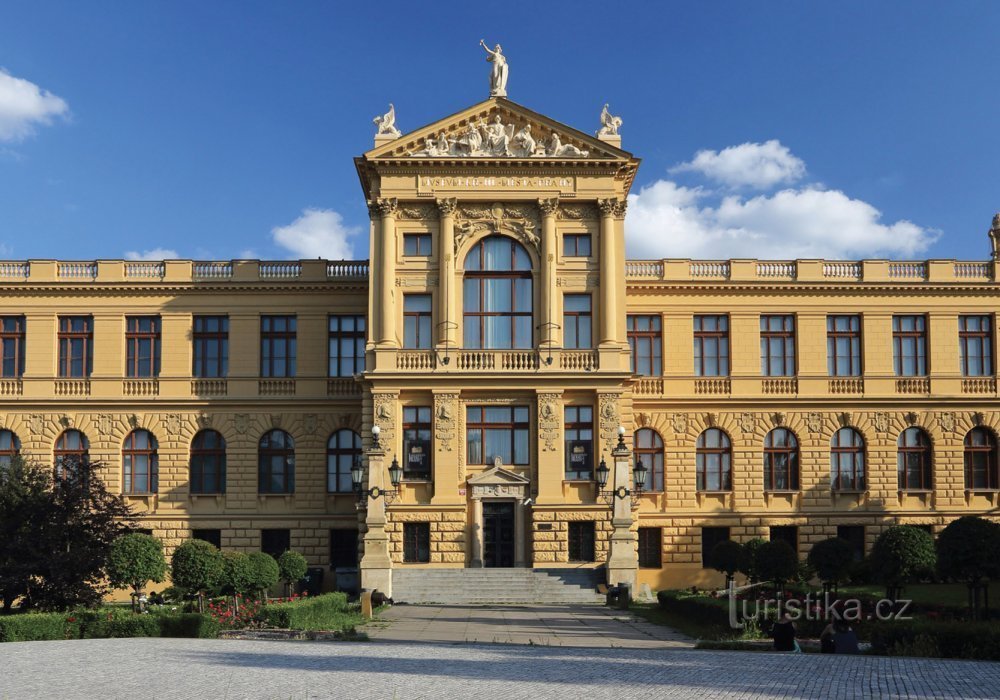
[
  {"x": 357, "y": 480},
  {"x": 639, "y": 472},
  {"x": 376, "y": 431}
]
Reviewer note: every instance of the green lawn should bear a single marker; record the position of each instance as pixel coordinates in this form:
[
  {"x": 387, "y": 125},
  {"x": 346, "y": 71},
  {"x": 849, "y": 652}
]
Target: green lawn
[{"x": 684, "y": 624}]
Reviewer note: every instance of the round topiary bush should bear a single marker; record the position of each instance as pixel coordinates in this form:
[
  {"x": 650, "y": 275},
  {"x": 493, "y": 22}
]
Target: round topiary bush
[
  {"x": 832, "y": 560},
  {"x": 134, "y": 559},
  {"x": 901, "y": 554},
  {"x": 264, "y": 572},
  {"x": 197, "y": 566},
  {"x": 292, "y": 569},
  {"x": 728, "y": 557}
]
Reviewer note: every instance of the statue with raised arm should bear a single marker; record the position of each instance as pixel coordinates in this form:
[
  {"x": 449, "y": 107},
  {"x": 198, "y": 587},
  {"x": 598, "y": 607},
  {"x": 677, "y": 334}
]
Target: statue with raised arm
[
  {"x": 609, "y": 123},
  {"x": 498, "y": 78},
  {"x": 386, "y": 123}
]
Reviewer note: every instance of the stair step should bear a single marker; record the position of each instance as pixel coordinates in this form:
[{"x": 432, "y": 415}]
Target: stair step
[{"x": 505, "y": 586}]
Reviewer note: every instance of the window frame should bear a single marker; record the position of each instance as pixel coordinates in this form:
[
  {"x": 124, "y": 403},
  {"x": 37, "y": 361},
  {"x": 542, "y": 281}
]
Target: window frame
[
  {"x": 574, "y": 319},
  {"x": 858, "y": 483},
  {"x": 336, "y": 338},
  {"x": 66, "y": 337},
  {"x": 574, "y": 424},
  {"x": 922, "y": 451},
  {"x": 335, "y": 452},
  {"x": 270, "y": 338},
  {"x": 992, "y": 471},
  {"x": 514, "y": 427},
  {"x": 136, "y": 339},
  {"x": 344, "y": 546},
  {"x": 771, "y": 453},
  {"x": 787, "y": 341},
  {"x": 573, "y": 251},
  {"x": 725, "y": 468},
  {"x": 61, "y": 454},
  {"x": 201, "y": 533},
  {"x": 722, "y": 359},
  {"x": 581, "y": 538},
  {"x": 418, "y": 431},
  {"x": 422, "y": 322},
  {"x": 417, "y": 543},
  {"x": 131, "y": 454},
  {"x": 646, "y": 548},
  {"x": 654, "y": 336},
  {"x": 853, "y": 336},
  {"x": 8, "y": 454},
  {"x": 481, "y": 276},
  {"x": 283, "y": 536},
  {"x": 17, "y": 336},
  {"x": 201, "y": 339},
  {"x": 200, "y": 454},
  {"x": 982, "y": 338},
  {"x": 419, "y": 238},
  {"x": 266, "y": 473},
  {"x": 652, "y": 458},
  {"x": 899, "y": 338}
]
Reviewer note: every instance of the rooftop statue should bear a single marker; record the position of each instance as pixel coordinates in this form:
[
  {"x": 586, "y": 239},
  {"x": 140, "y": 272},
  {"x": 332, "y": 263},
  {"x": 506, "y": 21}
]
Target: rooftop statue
[
  {"x": 609, "y": 123},
  {"x": 498, "y": 77},
  {"x": 386, "y": 123}
]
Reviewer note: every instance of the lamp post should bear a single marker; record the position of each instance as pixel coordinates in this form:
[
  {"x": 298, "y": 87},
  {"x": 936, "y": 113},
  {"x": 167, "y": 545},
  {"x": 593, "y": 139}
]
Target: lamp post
[
  {"x": 639, "y": 472},
  {"x": 622, "y": 561},
  {"x": 358, "y": 475}
]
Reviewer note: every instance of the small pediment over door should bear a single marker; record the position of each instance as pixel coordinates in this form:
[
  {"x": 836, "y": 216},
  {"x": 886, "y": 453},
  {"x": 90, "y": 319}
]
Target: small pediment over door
[{"x": 497, "y": 482}]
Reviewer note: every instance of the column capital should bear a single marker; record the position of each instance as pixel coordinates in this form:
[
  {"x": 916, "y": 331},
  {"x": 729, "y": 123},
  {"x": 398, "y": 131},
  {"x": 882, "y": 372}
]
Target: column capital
[
  {"x": 608, "y": 206},
  {"x": 387, "y": 205},
  {"x": 447, "y": 205},
  {"x": 549, "y": 206}
]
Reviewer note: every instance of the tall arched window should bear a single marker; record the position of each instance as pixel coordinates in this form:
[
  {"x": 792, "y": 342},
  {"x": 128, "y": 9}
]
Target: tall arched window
[
  {"x": 342, "y": 449},
  {"x": 498, "y": 295},
  {"x": 847, "y": 460},
  {"x": 276, "y": 463},
  {"x": 781, "y": 460},
  {"x": 140, "y": 463},
  {"x": 10, "y": 447},
  {"x": 208, "y": 463},
  {"x": 714, "y": 459},
  {"x": 981, "y": 460},
  {"x": 72, "y": 448},
  {"x": 649, "y": 448},
  {"x": 913, "y": 460}
]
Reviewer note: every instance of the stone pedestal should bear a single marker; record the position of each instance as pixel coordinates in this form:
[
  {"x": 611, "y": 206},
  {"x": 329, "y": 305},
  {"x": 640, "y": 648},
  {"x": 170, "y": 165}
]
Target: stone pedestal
[
  {"x": 622, "y": 560},
  {"x": 376, "y": 565}
]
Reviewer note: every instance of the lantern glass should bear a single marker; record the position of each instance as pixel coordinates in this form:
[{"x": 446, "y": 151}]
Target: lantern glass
[
  {"x": 639, "y": 475},
  {"x": 395, "y": 473},
  {"x": 357, "y": 473},
  {"x": 602, "y": 473}
]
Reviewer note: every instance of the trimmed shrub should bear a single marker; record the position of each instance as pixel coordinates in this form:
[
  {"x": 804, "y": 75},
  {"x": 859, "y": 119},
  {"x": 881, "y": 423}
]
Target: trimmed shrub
[
  {"x": 136, "y": 558},
  {"x": 263, "y": 572},
  {"x": 832, "y": 560},
  {"x": 131, "y": 626},
  {"x": 728, "y": 557},
  {"x": 949, "y": 640},
  {"x": 900, "y": 555},
  {"x": 36, "y": 627},
  {"x": 293, "y": 567},
  {"x": 188, "y": 625},
  {"x": 328, "y": 611},
  {"x": 705, "y": 612},
  {"x": 776, "y": 561},
  {"x": 196, "y": 566}
]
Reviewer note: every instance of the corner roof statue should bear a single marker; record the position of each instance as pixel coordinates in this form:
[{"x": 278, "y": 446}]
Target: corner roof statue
[
  {"x": 498, "y": 77},
  {"x": 609, "y": 123},
  {"x": 386, "y": 123}
]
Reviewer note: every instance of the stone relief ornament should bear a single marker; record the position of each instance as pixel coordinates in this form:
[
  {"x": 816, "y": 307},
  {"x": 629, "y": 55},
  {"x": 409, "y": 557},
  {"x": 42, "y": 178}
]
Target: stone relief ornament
[
  {"x": 67, "y": 422},
  {"x": 204, "y": 420},
  {"x": 36, "y": 423},
  {"x": 309, "y": 423},
  {"x": 134, "y": 422},
  {"x": 881, "y": 421},
  {"x": 778, "y": 419},
  {"x": 447, "y": 205},
  {"x": 609, "y": 123},
  {"x": 577, "y": 212},
  {"x": 383, "y": 406},
  {"x": 814, "y": 421},
  {"x": 386, "y": 123},
  {"x": 172, "y": 423},
  {"x": 995, "y": 236},
  {"x": 498, "y": 74},
  {"x": 105, "y": 424},
  {"x": 512, "y": 220},
  {"x": 711, "y": 419},
  {"x": 845, "y": 419},
  {"x": 911, "y": 417},
  {"x": 747, "y": 422},
  {"x": 418, "y": 212},
  {"x": 679, "y": 423},
  {"x": 610, "y": 419},
  {"x": 548, "y": 421},
  {"x": 978, "y": 419},
  {"x": 555, "y": 148},
  {"x": 947, "y": 421},
  {"x": 642, "y": 419},
  {"x": 241, "y": 422},
  {"x": 444, "y": 420}
]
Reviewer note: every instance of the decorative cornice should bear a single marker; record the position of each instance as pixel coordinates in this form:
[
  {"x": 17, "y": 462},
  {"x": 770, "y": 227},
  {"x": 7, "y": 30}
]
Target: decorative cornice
[{"x": 608, "y": 206}]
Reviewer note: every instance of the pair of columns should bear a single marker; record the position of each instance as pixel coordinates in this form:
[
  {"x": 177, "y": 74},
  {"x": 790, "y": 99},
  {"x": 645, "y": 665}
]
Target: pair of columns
[{"x": 478, "y": 544}]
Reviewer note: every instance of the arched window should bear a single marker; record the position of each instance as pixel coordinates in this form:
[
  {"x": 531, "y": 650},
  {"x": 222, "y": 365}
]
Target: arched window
[
  {"x": 913, "y": 460},
  {"x": 10, "y": 447},
  {"x": 649, "y": 448},
  {"x": 498, "y": 295},
  {"x": 342, "y": 449},
  {"x": 208, "y": 463},
  {"x": 714, "y": 461},
  {"x": 276, "y": 463},
  {"x": 981, "y": 460},
  {"x": 847, "y": 460},
  {"x": 781, "y": 461},
  {"x": 140, "y": 463},
  {"x": 72, "y": 448}
]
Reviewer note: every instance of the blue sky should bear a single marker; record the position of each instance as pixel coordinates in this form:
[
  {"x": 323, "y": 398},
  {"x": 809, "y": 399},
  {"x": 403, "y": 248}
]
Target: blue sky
[{"x": 224, "y": 128}]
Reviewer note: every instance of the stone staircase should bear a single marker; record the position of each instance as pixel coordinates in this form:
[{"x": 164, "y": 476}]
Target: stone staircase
[{"x": 497, "y": 586}]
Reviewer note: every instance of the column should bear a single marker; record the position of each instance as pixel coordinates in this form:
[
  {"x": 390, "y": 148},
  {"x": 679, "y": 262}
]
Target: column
[
  {"x": 446, "y": 253},
  {"x": 519, "y": 531},
  {"x": 376, "y": 565},
  {"x": 622, "y": 560},
  {"x": 547, "y": 319},
  {"x": 387, "y": 271},
  {"x": 609, "y": 274},
  {"x": 477, "y": 532}
]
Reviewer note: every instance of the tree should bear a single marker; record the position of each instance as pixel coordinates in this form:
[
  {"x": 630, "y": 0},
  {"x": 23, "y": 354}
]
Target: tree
[
  {"x": 901, "y": 554},
  {"x": 750, "y": 563},
  {"x": 832, "y": 559},
  {"x": 238, "y": 575},
  {"x": 264, "y": 573},
  {"x": 776, "y": 561},
  {"x": 24, "y": 495},
  {"x": 728, "y": 557},
  {"x": 135, "y": 559},
  {"x": 968, "y": 549},
  {"x": 197, "y": 566},
  {"x": 292, "y": 568}
]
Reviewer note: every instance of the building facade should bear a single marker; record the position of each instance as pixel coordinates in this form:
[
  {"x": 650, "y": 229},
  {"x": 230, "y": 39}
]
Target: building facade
[{"x": 504, "y": 347}]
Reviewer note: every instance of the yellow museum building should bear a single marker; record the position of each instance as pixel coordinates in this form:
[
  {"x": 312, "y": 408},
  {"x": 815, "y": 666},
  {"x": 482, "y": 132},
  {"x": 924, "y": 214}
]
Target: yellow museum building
[{"x": 515, "y": 368}]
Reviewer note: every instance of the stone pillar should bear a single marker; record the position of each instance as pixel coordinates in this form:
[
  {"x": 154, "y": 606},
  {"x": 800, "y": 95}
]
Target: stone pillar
[
  {"x": 609, "y": 272},
  {"x": 376, "y": 564},
  {"x": 519, "y": 532},
  {"x": 622, "y": 559},
  {"x": 477, "y": 532},
  {"x": 387, "y": 271},
  {"x": 446, "y": 253},
  {"x": 547, "y": 320}
]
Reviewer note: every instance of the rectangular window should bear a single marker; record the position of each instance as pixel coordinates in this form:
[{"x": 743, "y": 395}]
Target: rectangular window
[
  {"x": 417, "y": 442},
  {"x": 579, "y": 430},
  {"x": 213, "y": 537},
  {"x": 211, "y": 346},
  {"x": 277, "y": 346},
  {"x": 855, "y": 535},
  {"x": 777, "y": 346},
  {"x": 786, "y": 533},
  {"x": 416, "y": 542},
  {"x": 843, "y": 346},
  {"x": 650, "y": 547},
  {"x": 344, "y": 549},
  {"x": 417, "y": 245},
  {"x": 975, "y": 345},
  {"x": 581, "y": 540},
  {"x": 645, "y": 342},
  {"x": 347, "y": 345},
  {"x": 12, "y": 346},
  {"x": 417, "y": 322},
  {"x": 909, "y": 345},
  {"x": 576, "y": 245},
  {"x": 275, "y": 542},
  {"x": 497, "y": 431},
  {"x": 711, "y": 536},
  {"x": 76, "y": 346},
  {"x": 142, "y": 344},
  {"x": 577, "y": 333},
  {"x": 711, "y": 346}
]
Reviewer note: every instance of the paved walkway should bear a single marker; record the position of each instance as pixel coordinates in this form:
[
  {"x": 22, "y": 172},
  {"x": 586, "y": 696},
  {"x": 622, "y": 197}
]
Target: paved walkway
[
  {"x": 544, "y": 625},
  {"x": 189, "y": 669}
]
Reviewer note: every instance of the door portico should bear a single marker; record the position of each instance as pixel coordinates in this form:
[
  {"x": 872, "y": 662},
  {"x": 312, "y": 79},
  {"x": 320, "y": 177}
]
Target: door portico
[{"x": 499, "y": 485}]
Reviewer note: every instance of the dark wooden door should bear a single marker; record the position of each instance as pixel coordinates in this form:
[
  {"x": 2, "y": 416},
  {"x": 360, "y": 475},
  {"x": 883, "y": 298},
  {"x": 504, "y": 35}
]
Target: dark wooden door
[{"x": 498, "y": 533}]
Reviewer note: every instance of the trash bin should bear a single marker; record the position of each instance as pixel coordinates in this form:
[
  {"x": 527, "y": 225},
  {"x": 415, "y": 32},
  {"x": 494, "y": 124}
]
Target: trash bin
[
  {"x": 618, "y": 597},
  {"x": 312, "y": 583}
]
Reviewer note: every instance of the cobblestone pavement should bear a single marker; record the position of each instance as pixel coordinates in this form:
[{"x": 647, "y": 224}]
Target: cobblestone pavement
[
  {"x": 546, "y": 625},
  {"x": 165, "y": 669}
]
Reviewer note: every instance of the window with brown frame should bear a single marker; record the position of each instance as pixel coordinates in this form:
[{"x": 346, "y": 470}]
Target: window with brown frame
[
  {"x": 142, "y": 346},
  {"x": 711, "y": 346},
  {"x": 577, "y": 322},
  {"x": 975, "y": 345},
  {"x": 208, "y": 462},
  {"x": 714, "y": 461},
  {"x": 10, "y": 447},
  {"x": 913, "y": 460},
  {"x": 211, "y": 346},
  {"x": 76, "y": 346},
  {"x": 417, "y": 321},
  {"x": 847, "y": 460},
  {"x": 650, "y": 547},
  {"x": 781, "y": 460},
  {"x": 497, "y": 431},
  {"x": 645, "y": 342},
  {"x": 576, "y": 245},
  {"x": 579, "y": 434},
  {"x": 342, "y": 450},
  {"x": 11, "y": 347},
  {"x": 71, "y": 449},
  {"x": 276, "y": 463},
  {"x": 346, "y": 345},
  {"x": 417, "y": 443},
  {"x": 649, "y": 449},
  {"x": 416, "y": 543},
  {"x": 277, "y": 346},
  {"x": 498, "y": 298},
  {"x": 581, "y": 540},
  {"x": 981, "y": 460},
  {"x": 140, "y": 463},
  {"x": 909, "y": 345},
  {"x": 843, "y": 346},
  {"x": 417, "y": 245},
  {"x": 777, "y": 345}
]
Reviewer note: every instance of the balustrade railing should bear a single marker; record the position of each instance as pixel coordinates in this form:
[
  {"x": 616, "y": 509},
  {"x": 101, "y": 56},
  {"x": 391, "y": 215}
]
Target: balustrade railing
[
  {"x": 842, "y": 270},
  {"x": 710, "y": 269},
  {"x": 209, "y": 387},
  {"x": 72, "y": 387},
  {"x": 342, "y": 386},
  {"x": 346, "y": 269},
  {"x": 846, "y": 385},
  {"x": 497, "y": 360},
  {"x": 280, "y": 270},
  {"x": 76, "y": 270},
  {"x": 648, "y": 386},
  {"x": 907, "y": 270},
  {"x": 416, "y": 360},
  {"x": 211, "y": 270},
  {"x": 276, "y": 387},
  {"x": 141, "y": 387},
  {"x": 779, "y": 385},
  {"x": 15, "y": 270},
  {"x": 979, "y": 385},
  {"x": 913, "y": 385},
  {"x": 145, "y": 270},
  {"x": 643, "y": 268},
  {"x": 578, "y": 360},
  {"x": 11, "y": 387},
  {"x": 715, "y": 385},
  {"x": 776, "y": 269},
  {"x": 972, "y": 270}
]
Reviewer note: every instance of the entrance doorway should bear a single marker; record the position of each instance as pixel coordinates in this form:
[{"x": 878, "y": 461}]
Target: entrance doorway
[{"x": 498, "y": 533}]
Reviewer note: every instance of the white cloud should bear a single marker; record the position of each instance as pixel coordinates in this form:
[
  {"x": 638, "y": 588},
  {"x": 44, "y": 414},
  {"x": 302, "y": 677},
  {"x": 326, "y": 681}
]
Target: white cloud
[
  {"x": 318, "y": 233},
  {"x": 24, "y": 105},
  {"x": 758, "y": 165},
  {"x": 152, "y": 254}
]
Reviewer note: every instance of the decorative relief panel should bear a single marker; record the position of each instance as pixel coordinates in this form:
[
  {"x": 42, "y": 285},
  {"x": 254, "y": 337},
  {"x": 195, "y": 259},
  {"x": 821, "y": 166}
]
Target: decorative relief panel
[
  {"x": 748, "y": 423},
  {"x": 241, "y": 423},
  {"x": 384, "y": 411},
  {"x": 548, "y": 421},
  {"x": 577, "y": 212},
  {"x": 881, "y": 421},
  {"x": 418, "y": 212},
  {"x": 36, "y": 423},
  {"x": 520, "y": 222},
  {"x": 814, "y": 421},
  {"x": 445, "y": 420},
  {"x": 679, "y": 422},
  {"x": 310, "y": 423},
  {"x": 610, "y": 418}
]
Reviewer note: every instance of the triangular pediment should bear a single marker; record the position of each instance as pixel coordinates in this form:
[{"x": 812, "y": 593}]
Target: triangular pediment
[
  {"x": 497, "y": 129},
  {"x": 498, "y": 476}
]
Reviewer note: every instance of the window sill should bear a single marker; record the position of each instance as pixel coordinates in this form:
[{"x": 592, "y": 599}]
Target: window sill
[
  {"x": 782, "y": 491},
  {"x": 715, "y": 492},
  {"x": 215, "y": 496},
  {"x": 915, "y": 492},
  {"x": 416, "y": 480},
  {"x": 848, "y": 492},
  {"x": 983, "y": 490}
]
